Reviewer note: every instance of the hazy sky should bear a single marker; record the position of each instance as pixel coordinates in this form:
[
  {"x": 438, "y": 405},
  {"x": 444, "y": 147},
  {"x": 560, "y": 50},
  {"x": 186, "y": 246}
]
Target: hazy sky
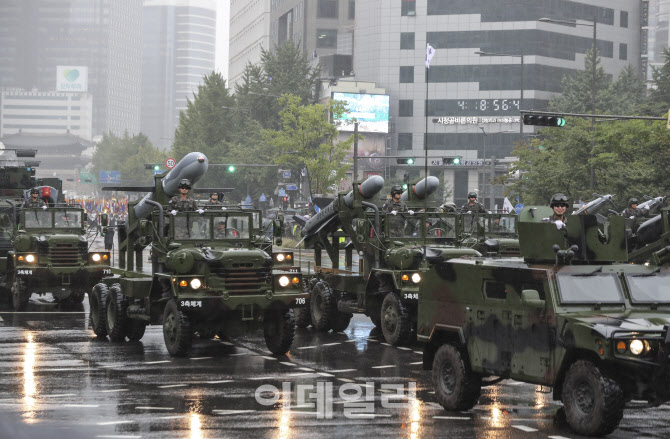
[{"x": 222, "y": 25}]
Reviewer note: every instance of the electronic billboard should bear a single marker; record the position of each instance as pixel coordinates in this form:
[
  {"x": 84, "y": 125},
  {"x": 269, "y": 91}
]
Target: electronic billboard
[{"x": 370, "y": 111}]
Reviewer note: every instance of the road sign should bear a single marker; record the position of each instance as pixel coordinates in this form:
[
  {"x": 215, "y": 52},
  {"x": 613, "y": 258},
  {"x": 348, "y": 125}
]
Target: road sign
[
  {"x": 282, "y": 192},
  {"x": 262, "y": 198},
  {"x": 291, "y": 187},
  {"x": 110, "y": 177},
  {"x": 170, "y": 163},
  {"x": 286, "y": 174},
  {"x": 518, "y": 208}
]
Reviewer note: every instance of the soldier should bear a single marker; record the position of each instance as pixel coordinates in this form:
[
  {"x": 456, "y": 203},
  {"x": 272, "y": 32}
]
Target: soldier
[
  {"x": 182, "y": 202},
  {"x": 632, "y": 211},
  {"x": 34, "y": 200},
  {"x": 473, "y": 205},
  {"x": 559, "y": 203},
  {"x": 214, "y": 198},
  {"x": 395, "y": 205},
  {"x": 220, "y": 229}
]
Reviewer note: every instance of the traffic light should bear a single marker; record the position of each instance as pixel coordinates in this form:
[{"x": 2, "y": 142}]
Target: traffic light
[
  {"x": 152, "y": 166},
  {"x": 451, "y": 161},
  {"x": 405, "y": 161},
  {"x": 231, "y": 168},
  {"x": 545, "y": 120},
  {"x": 405, "y": 179}
]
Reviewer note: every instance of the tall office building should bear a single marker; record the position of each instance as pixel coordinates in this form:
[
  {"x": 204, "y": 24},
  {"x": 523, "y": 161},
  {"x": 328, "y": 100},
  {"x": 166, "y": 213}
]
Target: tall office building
[
  {"x": 474, "y": 100},
  {"x": 178, "y": 49},
  {"x": 249, "y": 32},
  {"x": 100, "y": 37}
]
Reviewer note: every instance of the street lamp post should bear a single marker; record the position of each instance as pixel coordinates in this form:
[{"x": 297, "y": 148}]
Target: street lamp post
[
  {"x": 514, "y": 55},
  {"x": 593, "y": 85}
]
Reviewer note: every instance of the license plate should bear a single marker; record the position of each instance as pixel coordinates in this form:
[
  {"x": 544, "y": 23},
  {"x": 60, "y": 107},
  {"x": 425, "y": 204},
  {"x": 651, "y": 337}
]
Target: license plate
[
  {"x": 191, "y": 303},
  {"x": 24, "y": 272}
]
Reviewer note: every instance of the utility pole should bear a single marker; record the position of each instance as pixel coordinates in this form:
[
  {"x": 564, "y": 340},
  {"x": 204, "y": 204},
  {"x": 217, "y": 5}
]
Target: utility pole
[{"x": 355, "y": 151}]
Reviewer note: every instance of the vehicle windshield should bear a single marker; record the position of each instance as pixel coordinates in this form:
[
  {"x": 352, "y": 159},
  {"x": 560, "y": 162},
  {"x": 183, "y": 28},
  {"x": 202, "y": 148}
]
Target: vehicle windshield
[
  {"x": 649, "y": 288},
  {"x": 404, "y": 225},
  {"x": 501, "y": 224},
  {"x": 439, "y": 226},
  {"x": 192, "y": 225},
  {"x": 594, "y": 288},
  {"x": 66, "y": 218},
  {"x": 231, "y": 227},
  {"x": 37, "y": 218}
]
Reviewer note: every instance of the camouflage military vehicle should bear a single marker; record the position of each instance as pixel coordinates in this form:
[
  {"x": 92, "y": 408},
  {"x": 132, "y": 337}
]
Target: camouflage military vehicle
[
  {"x": 386, "y": 287},
  {"x": 492, "y": 234},
  {"x": 51, "y": 254},
  {"x": 208, "y": 274},
  {"x": 572, "y": 315}
]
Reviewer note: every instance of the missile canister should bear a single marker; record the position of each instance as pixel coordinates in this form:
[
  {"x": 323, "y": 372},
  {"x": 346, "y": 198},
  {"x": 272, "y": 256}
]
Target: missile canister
[
  {"x": 192, "y": 167},
  {"x": 368, "y": 189},
  {"x": 421, "y": 190}
]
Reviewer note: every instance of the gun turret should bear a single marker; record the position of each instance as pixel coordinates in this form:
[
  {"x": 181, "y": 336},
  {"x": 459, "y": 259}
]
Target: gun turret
[
  {"x": 192, "y": 167},
  {"x": 368, "y": 189},
  {"x": 422, "y": 189}
]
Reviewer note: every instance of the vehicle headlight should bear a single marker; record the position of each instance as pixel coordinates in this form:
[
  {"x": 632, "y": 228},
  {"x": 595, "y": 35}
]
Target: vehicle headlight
[
  {"x": 636, "y": 347},
  {"x": 416, "y": 278},
  {"x": 30, "y": 258},
  {"x": 280, "y": 257},
  {"x": 195, "y": 284},
  {"x": 96, "y": 257},
  {"x": 284, "y": 281}
]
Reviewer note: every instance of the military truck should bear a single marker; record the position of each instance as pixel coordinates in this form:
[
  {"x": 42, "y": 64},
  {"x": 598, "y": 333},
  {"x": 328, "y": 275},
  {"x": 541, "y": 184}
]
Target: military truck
[
  {"x": 391, "y": 266},
  {"x": 572, "y": 315},
  {"x": 208, "y": 274},
  {"x": 51, "y": 254}
]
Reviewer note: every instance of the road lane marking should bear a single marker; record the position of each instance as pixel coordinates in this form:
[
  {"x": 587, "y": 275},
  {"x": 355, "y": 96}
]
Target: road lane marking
[
  {"x": 353, "y": 341},
  {"x": 219, "y": 382},
  {"x": 368, "y": 415},
  {"x": 286, "y": 363},
  {"x": 115, "y": 422},
  {"x": 346, "y": 380},
  {"x": 269, "y": 358},
  {"x": 238, "y": 355},
  {"x": 200, "y": 358},
  {"x": 331, "y": 344},
  {"x": 232, "y": 412},
  {"x": 172, "y": 417},
  {"x": 558, "y": 437},
  {"x": 59, "y": 395},
  {"x": 384, "y": 367},
  {"x": 324, "y": 374},
  {"x": 167, "y": 386},
  {"x": 114, "y": 390},
  {"x": 1, "y": 320},
  {"x": 82, "y": 405},
  {"x": 415, "y": 363},
  {"x": 299, "y": 374},
  {"x": 307, "y": 347},
  {"x": 525, "y": 428},
  {"x": 343, "y": 370},
  {"x": 453, "y": 418},
  {"x": 418, "y": 352},
  {"x": 113, "y": 365},
  {"x": 403, "y": 349},
  {"x": 112, "y": 436},
  {"x": 261, "y": 378},
  {"x": 227, "y": 343},
  {"x": 306, "y": 369},
  {"x": 157, "y": 362},
  {"x": 153, "y": 408}
]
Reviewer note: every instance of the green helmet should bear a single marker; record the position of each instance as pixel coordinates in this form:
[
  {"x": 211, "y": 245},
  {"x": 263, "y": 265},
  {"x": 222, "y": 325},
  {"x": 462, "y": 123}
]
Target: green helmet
[
  {"x": 632, "y": 201},
  {"x": 396, "y": 189},
  {"x": 34, "y": 191},
  {"x": 184, "y": 183},
  {"x": 559, "y": 200},
  {"x": 472, "y": 195}
]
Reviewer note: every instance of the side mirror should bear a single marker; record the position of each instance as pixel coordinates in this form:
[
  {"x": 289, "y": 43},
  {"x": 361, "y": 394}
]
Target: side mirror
[
  {"x": 278, "y": 226},
  {"x": 532, "y": 298},
  {"x": 362, "y": 231}
]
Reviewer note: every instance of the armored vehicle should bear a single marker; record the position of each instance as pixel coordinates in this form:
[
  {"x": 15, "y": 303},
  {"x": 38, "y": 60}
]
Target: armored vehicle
[
  {"x": 50, "y": 254},
  {"x": 386, "y": 286},
  {"x": 209, "y": 274},
  {"x": 573, "y": 315}
]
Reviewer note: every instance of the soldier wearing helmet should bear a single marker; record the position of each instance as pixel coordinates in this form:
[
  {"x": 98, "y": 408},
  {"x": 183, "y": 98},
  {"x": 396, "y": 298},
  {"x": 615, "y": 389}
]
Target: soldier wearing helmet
[
  {"x": 559, "y": 203},
  {"x": 214, "y": 199},
  {"x": 182, "y": 202},
  {"x": 395, "y": 205},
  {"x": 473, "y": 205},
  {"x": 632, "y": 211},
  {"x": 34, "y": 200}
]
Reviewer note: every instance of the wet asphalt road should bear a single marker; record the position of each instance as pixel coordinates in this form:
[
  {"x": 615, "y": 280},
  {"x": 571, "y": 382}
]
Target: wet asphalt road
[{"x": 59, "y": 381}]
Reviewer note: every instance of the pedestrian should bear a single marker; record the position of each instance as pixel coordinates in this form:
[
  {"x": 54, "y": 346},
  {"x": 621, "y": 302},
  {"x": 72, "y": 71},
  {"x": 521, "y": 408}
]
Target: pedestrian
[{"x": 473, "y": 205}]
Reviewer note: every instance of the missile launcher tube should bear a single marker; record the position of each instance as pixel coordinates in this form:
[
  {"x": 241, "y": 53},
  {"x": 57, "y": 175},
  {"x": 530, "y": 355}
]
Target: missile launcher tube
[{"x": 422, "y": 189}]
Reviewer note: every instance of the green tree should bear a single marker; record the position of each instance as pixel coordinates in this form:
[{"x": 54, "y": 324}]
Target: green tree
[
  {"x": 307, "y": 137},
  {"x": 127, "y": 154},
  {"x": 659, "y": 95}
]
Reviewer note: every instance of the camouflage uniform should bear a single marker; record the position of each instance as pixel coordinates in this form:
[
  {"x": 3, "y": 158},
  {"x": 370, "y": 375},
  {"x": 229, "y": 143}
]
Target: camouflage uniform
[
  {"x": 38, "y": 203},
  {"x": 217, "y": 202},
  {"x": 400, "y": 206},
  {"x": 628, "y": 212},
  {"x": 176, "y": 203},
  {"x": 477, "y": 207}
]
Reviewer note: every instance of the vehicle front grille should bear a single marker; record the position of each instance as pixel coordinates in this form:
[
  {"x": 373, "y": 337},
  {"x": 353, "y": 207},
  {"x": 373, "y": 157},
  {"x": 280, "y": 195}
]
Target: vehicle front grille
[
  {"x": 62, "y": 255},
  {"x": 243, "y": 278}
]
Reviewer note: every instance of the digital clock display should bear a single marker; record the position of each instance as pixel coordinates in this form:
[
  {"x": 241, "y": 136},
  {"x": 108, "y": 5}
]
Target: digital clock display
[{"x": 488, "y": 105}]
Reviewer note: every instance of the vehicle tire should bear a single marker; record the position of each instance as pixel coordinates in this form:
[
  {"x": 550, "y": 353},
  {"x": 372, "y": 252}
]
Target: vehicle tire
[
  {"x": 97, "y": 303},
  {"x": 20, "y": 294},
  {"x": 457, "y": 388},
  {"x": 593, "y": 402},
  {"x": 303, "y": 316},
  {"x": 395, "y": 320},
  {"x": 323, "y": 306},
  {"x": 341, "y": 321},
  {"x": 117, "y": 317},
  {"x": 177, "y": 331},
  {"x": 374, "y": 310},
  {"x": 136, "y": 328},
  {"x": 279, "y": 331}
]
